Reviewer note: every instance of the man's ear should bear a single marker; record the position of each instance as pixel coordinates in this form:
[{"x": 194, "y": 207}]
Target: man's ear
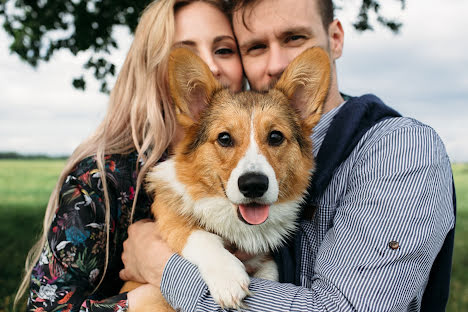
[
  {"x": 306, "y": 82},
  {"x": 191, "y": 85},
  {"x": 335, "y": 39}
]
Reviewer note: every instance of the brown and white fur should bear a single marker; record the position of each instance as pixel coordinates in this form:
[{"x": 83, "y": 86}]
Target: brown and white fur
[{"x": 245, "y": 158}]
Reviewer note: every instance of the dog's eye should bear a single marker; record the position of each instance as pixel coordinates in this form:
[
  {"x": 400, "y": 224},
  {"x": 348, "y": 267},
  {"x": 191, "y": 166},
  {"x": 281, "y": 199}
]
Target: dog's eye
[
  {"x": 225, "y": 140},
  {"x": 275, "y": 138}
]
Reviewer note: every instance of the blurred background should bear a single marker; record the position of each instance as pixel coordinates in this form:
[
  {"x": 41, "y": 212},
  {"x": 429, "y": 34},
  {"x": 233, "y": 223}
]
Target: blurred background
[{"x": 50, "y": 100}]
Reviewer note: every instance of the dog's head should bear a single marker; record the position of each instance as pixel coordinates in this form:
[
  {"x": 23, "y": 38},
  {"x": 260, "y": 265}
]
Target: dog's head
[{"x": 249, "y": 152}]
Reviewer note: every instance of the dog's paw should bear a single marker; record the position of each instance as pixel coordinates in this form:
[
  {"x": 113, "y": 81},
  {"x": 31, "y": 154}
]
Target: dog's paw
[
  {"x": 227, "y": 281},
  {"x": 223, "y": 273}
]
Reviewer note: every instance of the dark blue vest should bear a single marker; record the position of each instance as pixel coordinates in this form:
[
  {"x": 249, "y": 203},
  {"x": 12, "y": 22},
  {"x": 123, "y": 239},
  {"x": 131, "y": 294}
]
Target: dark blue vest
[{"x": 348, "y": 126}]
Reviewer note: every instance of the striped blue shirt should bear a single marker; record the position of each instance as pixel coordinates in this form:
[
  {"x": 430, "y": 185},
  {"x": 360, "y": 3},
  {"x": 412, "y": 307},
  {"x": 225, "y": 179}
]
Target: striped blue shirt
[{"x": 396, "y": 186}]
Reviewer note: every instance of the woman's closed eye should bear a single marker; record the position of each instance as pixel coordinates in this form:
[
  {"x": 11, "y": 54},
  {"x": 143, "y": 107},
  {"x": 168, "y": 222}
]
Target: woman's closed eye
[{"x": 224, "y": 51}]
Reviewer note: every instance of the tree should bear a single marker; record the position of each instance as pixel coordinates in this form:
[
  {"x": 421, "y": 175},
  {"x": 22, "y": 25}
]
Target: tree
[{"x": 39, "y": 28}]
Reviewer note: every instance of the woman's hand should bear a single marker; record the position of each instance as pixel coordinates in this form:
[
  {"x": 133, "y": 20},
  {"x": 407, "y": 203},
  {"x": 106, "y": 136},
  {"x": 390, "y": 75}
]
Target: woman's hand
[{"x": 145, "y": 254}]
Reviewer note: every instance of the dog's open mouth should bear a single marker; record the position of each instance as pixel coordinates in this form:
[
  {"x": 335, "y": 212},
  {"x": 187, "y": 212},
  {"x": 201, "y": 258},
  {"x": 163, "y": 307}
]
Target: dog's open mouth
[{"x": 253, "y": 213}]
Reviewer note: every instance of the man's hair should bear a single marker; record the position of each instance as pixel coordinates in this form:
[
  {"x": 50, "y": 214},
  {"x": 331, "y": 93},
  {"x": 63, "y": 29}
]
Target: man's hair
[{"x": 326, "y": 9}]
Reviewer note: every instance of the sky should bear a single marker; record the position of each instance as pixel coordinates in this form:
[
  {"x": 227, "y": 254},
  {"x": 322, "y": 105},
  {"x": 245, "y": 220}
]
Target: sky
[{"x": 422, "y": 72}]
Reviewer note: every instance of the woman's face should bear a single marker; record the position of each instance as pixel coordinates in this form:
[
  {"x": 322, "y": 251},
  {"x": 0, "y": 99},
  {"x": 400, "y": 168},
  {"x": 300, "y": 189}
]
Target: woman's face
[{"x": 204, "y": 29}]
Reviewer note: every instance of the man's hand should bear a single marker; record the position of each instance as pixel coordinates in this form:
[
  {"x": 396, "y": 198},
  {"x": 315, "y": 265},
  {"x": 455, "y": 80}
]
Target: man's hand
[{"x": 145, "y": 254}]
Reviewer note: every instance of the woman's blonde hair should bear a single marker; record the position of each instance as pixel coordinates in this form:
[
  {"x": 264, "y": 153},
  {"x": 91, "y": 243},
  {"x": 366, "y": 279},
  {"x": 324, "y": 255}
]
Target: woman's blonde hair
[{"x": 139, "y": 117}]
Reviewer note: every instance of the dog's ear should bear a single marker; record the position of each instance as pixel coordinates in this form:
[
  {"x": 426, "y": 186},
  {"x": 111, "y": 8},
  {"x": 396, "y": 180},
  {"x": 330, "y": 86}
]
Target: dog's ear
[
  {"x": 191, "y": 85},
  {"x": 306, "y": 82}
]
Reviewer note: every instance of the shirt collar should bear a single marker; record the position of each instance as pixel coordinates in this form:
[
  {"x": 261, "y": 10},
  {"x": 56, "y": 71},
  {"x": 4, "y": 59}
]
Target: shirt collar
[{"x": 320, "y": 130}]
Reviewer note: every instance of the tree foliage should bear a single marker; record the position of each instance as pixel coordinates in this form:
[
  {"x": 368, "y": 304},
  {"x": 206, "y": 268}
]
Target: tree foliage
[
  {"x": 39, "y": 28},
  {"x": 373, "y": 6}
]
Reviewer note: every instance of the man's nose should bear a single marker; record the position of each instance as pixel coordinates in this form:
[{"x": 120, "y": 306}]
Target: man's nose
[{"x": 277, "y": 62}]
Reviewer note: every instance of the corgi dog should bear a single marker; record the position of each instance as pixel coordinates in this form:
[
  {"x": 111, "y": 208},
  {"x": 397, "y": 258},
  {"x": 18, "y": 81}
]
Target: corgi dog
[{"x": 239, "y": 175}]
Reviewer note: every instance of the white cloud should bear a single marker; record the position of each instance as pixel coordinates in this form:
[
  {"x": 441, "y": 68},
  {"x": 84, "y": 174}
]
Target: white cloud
[
  {"x": 421, "y": 72},
  {"x": 40, "y": 110}
]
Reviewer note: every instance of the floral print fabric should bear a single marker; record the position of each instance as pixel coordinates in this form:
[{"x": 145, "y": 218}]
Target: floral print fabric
[{"x": 68, "y": 274}]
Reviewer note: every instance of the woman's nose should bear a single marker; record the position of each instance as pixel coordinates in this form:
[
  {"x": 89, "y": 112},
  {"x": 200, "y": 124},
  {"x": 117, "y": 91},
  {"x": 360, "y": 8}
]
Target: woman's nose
[
  {"x": 215, "y": 69},
  {"x": 208, "y": 58}
]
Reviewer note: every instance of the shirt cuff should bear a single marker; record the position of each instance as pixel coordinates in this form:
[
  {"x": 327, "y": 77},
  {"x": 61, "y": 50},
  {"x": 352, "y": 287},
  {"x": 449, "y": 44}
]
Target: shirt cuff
[{"x": 181, "y": 284}]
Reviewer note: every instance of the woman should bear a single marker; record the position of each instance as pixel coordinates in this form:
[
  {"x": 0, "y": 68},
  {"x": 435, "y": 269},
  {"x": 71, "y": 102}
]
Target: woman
[{"x": 100, "y": 191}]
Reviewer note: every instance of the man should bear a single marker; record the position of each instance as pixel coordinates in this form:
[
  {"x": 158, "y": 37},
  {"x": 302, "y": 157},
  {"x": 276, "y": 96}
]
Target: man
[{"x": 385, "y": 210}]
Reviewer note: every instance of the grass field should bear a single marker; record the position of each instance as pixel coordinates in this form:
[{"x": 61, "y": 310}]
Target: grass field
[
  {"x": 458, "y": 301},
  {"x": 25, "y": 186}
]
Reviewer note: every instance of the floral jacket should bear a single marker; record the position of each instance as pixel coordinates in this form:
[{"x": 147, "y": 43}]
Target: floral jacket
[{"x": 72, "y": 263}]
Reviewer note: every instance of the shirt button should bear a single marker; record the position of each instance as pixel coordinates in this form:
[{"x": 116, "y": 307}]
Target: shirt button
[{"x": 393, "y": 245}]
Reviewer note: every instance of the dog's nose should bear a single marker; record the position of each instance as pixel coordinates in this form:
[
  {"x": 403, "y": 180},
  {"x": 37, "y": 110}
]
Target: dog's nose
[{"x": 253, "y": 185}]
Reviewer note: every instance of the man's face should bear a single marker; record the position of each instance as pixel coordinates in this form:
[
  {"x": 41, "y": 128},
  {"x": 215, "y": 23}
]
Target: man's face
[{"x": 277, "y": 31}]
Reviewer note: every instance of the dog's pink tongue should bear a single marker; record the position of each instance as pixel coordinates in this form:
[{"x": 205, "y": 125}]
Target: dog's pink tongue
[{"x": 254, "y": 214}]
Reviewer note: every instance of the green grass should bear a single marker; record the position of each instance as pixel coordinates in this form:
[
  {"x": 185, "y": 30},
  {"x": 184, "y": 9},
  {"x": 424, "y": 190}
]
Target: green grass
[
  {"x": 458, "y": 300},
  {"x": 25, "y": 186}
]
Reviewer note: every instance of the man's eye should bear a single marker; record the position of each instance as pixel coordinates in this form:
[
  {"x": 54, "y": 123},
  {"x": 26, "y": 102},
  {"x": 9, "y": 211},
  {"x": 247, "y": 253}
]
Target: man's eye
[
  {"x": 294, "y": 38},
  {"x": 256, "y": 47}
]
